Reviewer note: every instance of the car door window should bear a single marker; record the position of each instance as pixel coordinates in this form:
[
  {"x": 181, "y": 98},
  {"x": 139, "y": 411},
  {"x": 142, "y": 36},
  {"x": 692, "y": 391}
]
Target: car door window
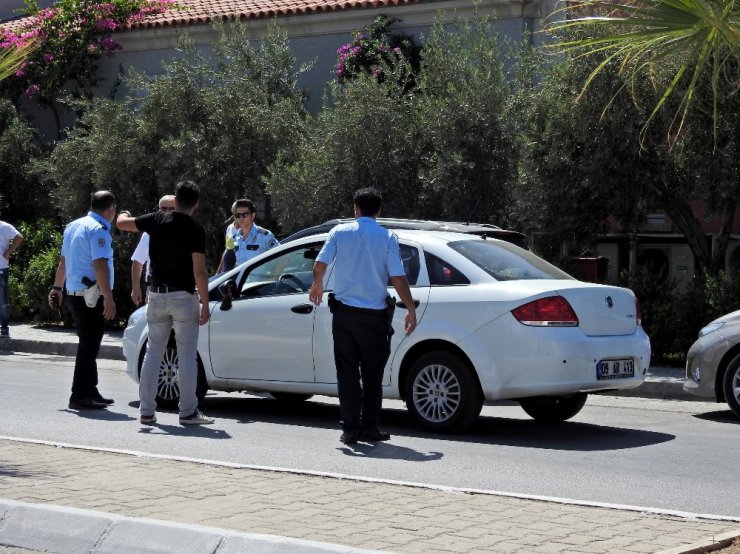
[
  {"x": 288, "y": 273},
  {"x": 411, "y": 264},
  {"x": 442, "y": 273}
]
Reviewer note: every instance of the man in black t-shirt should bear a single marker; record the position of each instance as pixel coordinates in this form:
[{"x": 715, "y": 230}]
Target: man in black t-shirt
[{"x": 177, "y": 247}]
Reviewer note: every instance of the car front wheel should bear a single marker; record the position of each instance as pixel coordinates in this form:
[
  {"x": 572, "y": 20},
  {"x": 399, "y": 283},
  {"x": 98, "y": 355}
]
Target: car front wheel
[
  {"x": 442, "y": 394},
  {"x": 553, "y": 409},
  {"x": 168, "y": 385},
  {"x": 731, "y": 386}
]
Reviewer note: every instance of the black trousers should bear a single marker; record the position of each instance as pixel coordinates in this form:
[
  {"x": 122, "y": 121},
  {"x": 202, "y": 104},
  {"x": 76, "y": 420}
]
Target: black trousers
[
  {"x": 361, "y": 349},
  {"x": 90, "y": 325}
]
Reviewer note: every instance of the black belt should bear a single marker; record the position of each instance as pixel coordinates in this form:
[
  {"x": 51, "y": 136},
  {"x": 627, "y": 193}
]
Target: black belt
[
  {"x": 162, "y": 289},
  {"x": 349, "y": 308}
]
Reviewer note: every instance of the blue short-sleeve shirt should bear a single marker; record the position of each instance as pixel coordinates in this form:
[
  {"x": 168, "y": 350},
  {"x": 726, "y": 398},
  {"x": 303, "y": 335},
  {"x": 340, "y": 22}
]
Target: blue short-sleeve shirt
[
  {"x": 257, "y": 241},
  {"x": 366, "y": 254},
  {"x": 86, "y": 239}
]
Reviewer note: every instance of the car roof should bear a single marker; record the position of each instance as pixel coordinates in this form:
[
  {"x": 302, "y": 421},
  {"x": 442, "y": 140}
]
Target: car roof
[{"x": 480, "y": 229}]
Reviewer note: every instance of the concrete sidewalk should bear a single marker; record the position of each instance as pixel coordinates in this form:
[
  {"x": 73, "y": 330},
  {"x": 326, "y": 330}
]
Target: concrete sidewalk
[{"x": 68, "y": 499}]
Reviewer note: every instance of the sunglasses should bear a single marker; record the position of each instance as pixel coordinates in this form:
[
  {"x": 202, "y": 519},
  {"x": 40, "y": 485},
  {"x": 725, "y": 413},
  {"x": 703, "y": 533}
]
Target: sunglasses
[
  {"x": 239, "y": 215},
  {"x": 166, "y": 209}
]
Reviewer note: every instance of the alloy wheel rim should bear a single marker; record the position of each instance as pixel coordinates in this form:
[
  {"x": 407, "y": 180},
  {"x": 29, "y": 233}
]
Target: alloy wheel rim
[
  {"x": 167, "y": 383},
  {"x": 735, "y": 385},
  {"x": 436, "y": 393}
]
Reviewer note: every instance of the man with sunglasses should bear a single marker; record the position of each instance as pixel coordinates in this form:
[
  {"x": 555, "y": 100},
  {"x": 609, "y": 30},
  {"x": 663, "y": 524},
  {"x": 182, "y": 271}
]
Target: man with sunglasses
[
  {"x": 140, "y": 257},
  {"x": 244, "y": 237}
]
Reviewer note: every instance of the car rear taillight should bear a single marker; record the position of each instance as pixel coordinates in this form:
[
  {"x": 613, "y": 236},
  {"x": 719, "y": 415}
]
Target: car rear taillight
[
  {"x": 638, "y": 311},
  {"x": 553, "y": 311}
]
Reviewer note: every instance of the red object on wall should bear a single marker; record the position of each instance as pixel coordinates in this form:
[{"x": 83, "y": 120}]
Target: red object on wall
[{"x": 587, "y": 268}]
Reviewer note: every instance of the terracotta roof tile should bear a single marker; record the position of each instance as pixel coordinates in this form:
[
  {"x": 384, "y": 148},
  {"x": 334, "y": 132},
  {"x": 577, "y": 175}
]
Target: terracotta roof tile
[
  {"x": 198, "y": 12},
  {"x": 193, "y": 12}
]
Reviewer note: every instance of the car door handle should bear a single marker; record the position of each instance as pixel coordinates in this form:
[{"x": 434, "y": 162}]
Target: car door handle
[
  {"x": 302, "y": 308},
  {"x": 400, "y": 304}
]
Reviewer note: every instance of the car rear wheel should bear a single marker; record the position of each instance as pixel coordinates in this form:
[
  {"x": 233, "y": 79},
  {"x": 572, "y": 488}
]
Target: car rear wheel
[
  {"x": 441, "y": 393},
  {"x": 553, "y": 409},
  {"x": 168, "y": 385},
  {"x": 731, "y": 386},
  {"x": 290, "y": 397}
]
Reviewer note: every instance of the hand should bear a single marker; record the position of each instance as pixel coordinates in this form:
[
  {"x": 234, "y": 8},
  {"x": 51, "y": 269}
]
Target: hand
[
  {"x": 109, "y": 307},
  {"x": 55, "y": 299},
  {"x": 316, "y": 292},
  {"x": 136, "y": 296},
  {"x": 410, "y": 323},
  {"x": 205, "y": 314},
  {"x": 7, "y": 254}
]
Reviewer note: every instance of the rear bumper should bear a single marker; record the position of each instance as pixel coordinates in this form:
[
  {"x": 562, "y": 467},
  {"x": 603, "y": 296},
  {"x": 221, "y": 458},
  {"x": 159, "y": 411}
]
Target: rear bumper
[{"x": 552, "y": 361}]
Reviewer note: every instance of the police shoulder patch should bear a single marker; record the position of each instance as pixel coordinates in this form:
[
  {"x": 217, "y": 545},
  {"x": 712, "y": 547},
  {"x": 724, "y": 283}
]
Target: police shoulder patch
[
  {"x": 271, "y": 243},
  {"x": 101, "y": 242}
]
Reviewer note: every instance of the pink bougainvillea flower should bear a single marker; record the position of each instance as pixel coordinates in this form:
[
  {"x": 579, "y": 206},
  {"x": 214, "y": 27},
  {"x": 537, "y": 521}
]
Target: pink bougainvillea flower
[{"x": 33, "y": 90}]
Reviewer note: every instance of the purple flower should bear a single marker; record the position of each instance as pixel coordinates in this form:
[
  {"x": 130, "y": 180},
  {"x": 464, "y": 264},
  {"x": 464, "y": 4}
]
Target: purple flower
[
  {"x": 48, "y": 57},
  {"x": 396, "y": 50},
  {"x": 107, "y": 43},
  {"x": 33, "y": 90}
]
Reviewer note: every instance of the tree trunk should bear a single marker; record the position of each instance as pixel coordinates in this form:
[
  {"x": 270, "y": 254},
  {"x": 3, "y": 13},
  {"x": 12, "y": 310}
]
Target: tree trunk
[{"x": 683, "y": 216}]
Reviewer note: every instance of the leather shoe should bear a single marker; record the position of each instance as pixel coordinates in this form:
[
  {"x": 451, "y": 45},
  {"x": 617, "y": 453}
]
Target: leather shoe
[
  {"x": 86, "y": 404},
  {"x": 374, "y": 435},
  {"x": 349, "y": 437},
  {"x": 107, "y": 401}
]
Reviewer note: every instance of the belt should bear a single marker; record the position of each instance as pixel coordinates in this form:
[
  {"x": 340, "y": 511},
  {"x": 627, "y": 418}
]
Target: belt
[
  {"x": 163, "y": 289},
  {"x": 76, "y": 293},
  {"x": 349, "y": 308}
]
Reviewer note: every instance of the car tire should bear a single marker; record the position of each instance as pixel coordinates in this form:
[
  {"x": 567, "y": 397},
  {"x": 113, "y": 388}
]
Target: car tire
[
  {"x": 168, "y": 388},
  {"x": 442, "y": 394},
  {"x": 553, "y": 409},
  {"x": 290, "y": 397},
  {"x": 731, "y": 385}
]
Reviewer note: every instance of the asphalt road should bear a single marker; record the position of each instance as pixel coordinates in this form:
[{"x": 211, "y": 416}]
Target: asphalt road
[{"x": 661, "y": 454}]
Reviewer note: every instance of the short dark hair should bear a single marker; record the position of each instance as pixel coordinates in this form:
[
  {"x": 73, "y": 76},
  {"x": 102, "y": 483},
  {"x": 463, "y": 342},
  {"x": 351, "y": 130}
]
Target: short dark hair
[
  {"x": 102, "y": 200},
  {"x": 243, "y": 203},
  {"x": 187, "y": 194},
  {"x": 368, "y": 201}
]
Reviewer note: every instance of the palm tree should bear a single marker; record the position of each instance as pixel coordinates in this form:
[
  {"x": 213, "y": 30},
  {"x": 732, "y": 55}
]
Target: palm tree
[
  {"x": 12, "y": 58},
  {"x": 696, "y": 41}
]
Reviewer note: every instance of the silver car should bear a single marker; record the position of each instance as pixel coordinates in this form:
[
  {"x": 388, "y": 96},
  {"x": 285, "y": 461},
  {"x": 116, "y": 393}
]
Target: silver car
[{"x": 713, "y": 362}]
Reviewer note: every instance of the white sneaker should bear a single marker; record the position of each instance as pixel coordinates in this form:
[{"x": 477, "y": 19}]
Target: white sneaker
[
  {"x": 196, "y": 418},
  {"x": 148, "y": 419}
]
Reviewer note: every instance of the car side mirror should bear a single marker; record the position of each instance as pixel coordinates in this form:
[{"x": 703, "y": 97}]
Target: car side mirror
[{"x": 229, "y": 291}]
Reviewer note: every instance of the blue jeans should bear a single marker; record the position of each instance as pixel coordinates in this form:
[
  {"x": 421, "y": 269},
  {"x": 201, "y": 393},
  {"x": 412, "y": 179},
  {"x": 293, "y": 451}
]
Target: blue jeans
[
  {"x": 4, "y": 301},
  {"x": 166, "y": 311}
]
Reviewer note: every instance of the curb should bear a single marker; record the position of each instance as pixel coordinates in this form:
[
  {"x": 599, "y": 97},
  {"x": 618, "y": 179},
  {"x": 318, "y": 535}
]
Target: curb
[
  {"x": 73, "y": 530},
  {"x": 712, "y": 544},
  {"x": 106, "y": 351}
]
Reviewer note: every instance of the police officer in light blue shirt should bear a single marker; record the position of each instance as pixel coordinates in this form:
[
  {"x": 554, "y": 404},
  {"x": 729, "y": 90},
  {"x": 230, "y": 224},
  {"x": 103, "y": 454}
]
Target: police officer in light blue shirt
[
  {"x": 87, "y": 257},
  {"x": 245, "y": 238},
  {"x": 365, "y": 256}
]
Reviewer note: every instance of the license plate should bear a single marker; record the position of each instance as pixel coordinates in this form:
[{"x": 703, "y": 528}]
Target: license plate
[{"x": 615, "y": 369}]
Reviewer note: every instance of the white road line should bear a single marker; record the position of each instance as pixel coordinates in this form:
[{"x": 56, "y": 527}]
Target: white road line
[{"x": 460, "y": 490}]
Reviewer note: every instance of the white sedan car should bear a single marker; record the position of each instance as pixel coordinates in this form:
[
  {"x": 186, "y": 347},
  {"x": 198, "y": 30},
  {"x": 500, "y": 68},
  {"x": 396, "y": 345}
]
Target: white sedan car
[{"x": 495, "y": 322}]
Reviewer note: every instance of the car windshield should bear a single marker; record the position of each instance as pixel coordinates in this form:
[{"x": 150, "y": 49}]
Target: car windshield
[{"x": 506, "y": 262}]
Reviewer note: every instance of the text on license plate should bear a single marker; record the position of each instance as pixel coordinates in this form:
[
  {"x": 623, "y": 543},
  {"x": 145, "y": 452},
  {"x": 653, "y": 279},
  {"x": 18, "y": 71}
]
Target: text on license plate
[{"x": 615, "y": 369}]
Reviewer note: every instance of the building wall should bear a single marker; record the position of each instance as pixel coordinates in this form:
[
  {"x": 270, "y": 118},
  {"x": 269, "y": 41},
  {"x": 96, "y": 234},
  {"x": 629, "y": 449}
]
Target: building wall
[{"x": 313, "y": 37}]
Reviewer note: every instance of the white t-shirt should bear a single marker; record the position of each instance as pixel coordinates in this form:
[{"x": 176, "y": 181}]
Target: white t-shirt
[
  {"x": 141, "y": 253},
  {"x": 7, "y": 233}
]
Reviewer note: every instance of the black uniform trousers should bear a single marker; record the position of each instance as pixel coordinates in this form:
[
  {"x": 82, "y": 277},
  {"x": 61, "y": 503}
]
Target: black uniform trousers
[
  {"x": 361, "y": 349},
  {"x": 90, "y": 325}
]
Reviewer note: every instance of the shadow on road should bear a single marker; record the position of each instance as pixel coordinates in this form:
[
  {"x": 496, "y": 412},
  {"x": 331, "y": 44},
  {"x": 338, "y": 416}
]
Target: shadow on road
[
  {"x": 524, "y": 433},
  {"x": 106, "y": 414},
  {"x": 719, "y": 416}
]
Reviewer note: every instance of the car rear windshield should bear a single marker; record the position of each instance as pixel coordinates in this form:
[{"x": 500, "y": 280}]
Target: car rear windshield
[{"x": 506, "y": 262}]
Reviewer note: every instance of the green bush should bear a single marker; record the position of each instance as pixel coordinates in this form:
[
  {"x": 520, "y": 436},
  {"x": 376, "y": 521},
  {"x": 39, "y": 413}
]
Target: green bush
[{"x": 32, "y": 271}]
